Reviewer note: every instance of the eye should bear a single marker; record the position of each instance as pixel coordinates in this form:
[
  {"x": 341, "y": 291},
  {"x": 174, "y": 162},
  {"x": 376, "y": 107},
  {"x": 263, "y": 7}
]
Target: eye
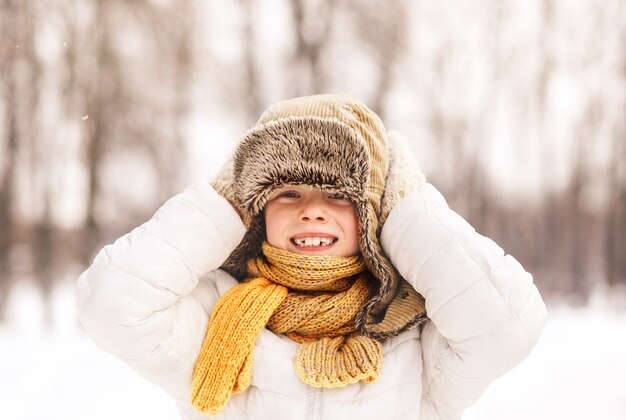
[
  {"x": 338, "y": 196},
  {"x": 288, "y": 194}
]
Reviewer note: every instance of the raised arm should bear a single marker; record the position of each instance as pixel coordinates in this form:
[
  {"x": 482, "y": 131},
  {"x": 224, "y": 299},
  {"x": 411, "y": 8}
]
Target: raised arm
[
  {"x": 485, "y": 312},
  {"x": 138, "y": 298}
]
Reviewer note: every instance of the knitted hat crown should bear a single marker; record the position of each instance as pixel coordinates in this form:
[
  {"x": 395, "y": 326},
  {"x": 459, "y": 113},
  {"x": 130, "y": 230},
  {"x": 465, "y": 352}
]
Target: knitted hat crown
[{"x": 329, "y": 142}]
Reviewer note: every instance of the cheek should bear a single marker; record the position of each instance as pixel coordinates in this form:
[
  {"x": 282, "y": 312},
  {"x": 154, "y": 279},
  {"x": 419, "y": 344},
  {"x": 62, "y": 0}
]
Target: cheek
[
  {"x": 351, "y": 229},
  {"x": 355, "y": 233},
  {"x": 272, "y": 226}
]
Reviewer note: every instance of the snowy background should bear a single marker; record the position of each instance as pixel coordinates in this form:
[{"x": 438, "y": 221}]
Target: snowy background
[
  {"x": 515, "y": 110},
  {"x": 577, "y": 371}
]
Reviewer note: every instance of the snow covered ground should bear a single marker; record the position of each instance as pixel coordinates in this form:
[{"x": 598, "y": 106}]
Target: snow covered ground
[{"x": 577, "y": 371}]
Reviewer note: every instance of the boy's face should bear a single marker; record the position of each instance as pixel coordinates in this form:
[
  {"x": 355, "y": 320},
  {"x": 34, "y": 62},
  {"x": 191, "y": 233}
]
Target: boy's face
[{"x": 310, "y": 221}]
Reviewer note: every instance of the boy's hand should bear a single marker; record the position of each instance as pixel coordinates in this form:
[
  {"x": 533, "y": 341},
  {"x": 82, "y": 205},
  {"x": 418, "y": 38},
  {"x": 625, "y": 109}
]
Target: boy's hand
[
  {"x": 225, "y": 186},
  {"x": 404, "y": 175}
]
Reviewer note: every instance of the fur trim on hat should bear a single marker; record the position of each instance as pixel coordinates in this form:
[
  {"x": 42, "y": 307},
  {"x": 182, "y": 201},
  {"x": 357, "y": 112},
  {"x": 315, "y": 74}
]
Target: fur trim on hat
[{"x": 300, "y": 150}]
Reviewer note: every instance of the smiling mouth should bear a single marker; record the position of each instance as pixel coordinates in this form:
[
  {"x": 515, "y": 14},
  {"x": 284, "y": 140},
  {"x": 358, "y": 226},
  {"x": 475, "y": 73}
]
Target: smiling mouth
[{"x": 310, "y": 242}]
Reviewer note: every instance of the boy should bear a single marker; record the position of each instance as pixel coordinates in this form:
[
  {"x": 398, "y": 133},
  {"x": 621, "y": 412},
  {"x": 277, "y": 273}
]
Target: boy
[{"x": 337, "y": 282}]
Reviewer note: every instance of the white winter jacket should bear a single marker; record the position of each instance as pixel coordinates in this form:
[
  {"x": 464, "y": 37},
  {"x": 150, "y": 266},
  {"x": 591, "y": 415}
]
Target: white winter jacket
[{"x": 147, "y": 300}]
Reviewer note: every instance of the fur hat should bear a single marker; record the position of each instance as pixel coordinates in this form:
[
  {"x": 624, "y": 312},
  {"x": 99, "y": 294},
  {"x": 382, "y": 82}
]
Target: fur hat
[{"x": 330, "y": 142}]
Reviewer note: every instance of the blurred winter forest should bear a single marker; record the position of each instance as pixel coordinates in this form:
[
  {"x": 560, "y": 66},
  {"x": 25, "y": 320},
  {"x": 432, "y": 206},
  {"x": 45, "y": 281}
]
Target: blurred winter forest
[{"x": 515, "y": 110}]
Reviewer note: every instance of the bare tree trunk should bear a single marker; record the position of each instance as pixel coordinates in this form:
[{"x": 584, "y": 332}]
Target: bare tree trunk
[
  {"x": 548, "y": 239},
  {"x": 252, "y": 92},
  {"x": 91, "y": 228},
  {"x": 387, "y": 33},
  {"x": 575, "y": 225},
  {"x": 579, "y": 221},
  {"x": 183, "y": 69},
  {"x": 615, "y": 219},
  {"x": 40, "y": 164},
  {"x": 310, "y": 43},
  {"x": 615, "y": 223},
  {"x": 11, "y": 56},
  {"x": 479, "y": 195},
  {"x": 45, "y": 257},
  {"x": 7, "y": 192},
  {"x": 98, "y": 101},
  {"x": 448, "y": 155},
  {"x": 616, "y": 232}
]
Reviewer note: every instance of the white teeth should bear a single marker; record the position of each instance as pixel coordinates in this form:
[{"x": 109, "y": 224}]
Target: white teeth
[{"x": 313, "y": 241}]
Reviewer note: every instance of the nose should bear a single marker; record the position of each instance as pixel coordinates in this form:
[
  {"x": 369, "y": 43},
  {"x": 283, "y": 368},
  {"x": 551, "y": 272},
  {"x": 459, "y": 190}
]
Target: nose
[{"x": 313, "y": 209}]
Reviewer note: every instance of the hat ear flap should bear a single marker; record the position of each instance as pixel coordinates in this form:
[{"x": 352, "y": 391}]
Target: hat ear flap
[
  {"x": 404, "y": 174},
  {"x": 249, "y": 248}
]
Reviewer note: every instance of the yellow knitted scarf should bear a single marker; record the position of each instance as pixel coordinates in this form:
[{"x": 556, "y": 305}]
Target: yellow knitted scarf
[{"x": 311, "y": 299}]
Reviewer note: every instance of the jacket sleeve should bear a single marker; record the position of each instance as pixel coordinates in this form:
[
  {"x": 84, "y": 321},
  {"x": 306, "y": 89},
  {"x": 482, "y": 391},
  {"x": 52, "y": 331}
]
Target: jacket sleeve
[
  {"x": 485, "y": 312},
  {"x": 139, "y": 299}
]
